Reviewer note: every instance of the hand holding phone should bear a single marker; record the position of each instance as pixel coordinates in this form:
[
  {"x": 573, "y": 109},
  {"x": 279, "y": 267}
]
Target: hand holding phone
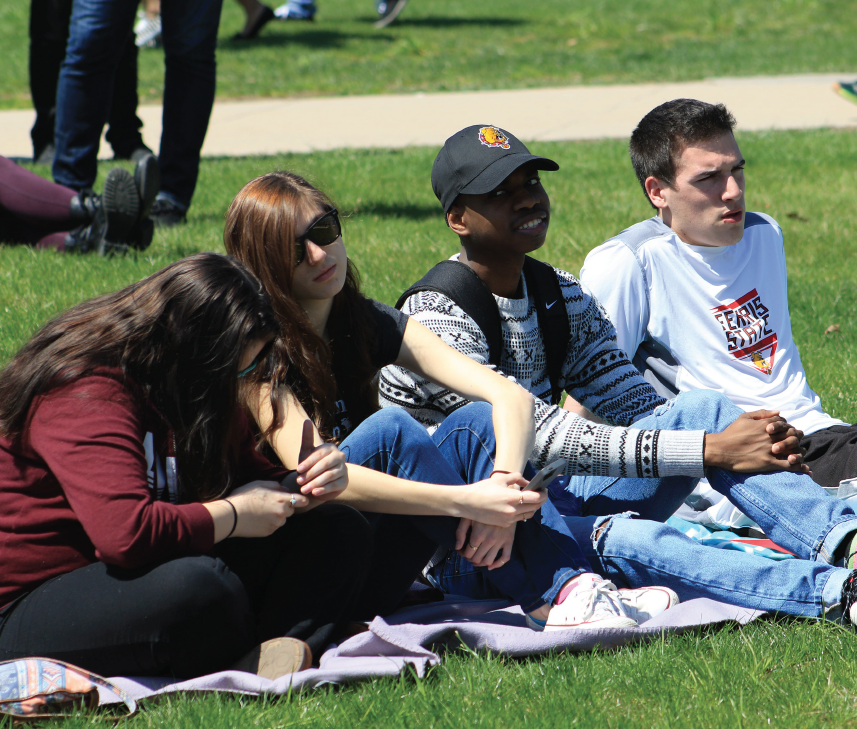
[{"x": 540, "y": 481}]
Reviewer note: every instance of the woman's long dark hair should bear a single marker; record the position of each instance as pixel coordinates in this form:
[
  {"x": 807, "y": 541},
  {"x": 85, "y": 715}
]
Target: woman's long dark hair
[
  {"x": 260, "y": 232},
  {"x": 180, "y": 335}
]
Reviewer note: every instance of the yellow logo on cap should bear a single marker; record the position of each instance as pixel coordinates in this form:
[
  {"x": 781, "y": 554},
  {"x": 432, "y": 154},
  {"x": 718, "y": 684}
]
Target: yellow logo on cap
[{"x": 493, "y": 137}]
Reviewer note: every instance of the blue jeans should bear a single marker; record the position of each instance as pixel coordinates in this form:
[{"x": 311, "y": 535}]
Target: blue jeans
[
  {"x": 544, "y": 554},
  {"x": 793, "y": 510},
  {"x": 640, "y": 553},
  {"x": 97, "y": 35},
  {"x": 637, "y": 553}
]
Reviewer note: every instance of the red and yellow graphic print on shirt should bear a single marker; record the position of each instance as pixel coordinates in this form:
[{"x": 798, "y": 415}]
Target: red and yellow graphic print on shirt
[{"x": 748, "y": 336}]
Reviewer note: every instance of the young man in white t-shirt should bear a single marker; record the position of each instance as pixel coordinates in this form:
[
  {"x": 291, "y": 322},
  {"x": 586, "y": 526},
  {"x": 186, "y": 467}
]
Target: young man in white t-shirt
[{"x": 698, "y": 294}]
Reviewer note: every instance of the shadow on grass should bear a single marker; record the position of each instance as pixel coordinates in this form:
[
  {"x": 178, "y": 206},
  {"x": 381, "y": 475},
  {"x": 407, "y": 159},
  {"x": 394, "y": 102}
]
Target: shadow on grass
[
  {"x": 322, "y": 39},
  {"x": 394, "y": 210},
  {"x": 326, "y": 39},
  {"x": 440, "y": 22}
]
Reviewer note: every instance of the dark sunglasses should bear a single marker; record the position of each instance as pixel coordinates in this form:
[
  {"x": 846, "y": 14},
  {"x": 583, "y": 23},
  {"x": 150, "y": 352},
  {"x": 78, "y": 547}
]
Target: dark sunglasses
[
  {"x": 258, "y": 358},
  {"x": 322, "y": 231}
]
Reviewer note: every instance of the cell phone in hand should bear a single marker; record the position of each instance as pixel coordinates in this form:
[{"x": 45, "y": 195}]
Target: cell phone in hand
[
  {"x": 540, "y": 481},
  {"x": 290, "y": 483}
]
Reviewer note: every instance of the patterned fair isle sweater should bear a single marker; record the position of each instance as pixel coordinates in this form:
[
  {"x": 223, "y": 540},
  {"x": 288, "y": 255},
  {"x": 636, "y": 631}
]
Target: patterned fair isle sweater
[{"x": 596, "y": 373}]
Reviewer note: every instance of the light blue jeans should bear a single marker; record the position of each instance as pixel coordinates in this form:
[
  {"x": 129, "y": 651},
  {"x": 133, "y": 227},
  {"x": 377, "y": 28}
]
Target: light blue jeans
[{"x": 793, "y": 510}]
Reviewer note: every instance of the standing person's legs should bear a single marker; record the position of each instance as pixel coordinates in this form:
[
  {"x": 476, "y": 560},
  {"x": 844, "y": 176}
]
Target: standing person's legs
[
  {"x": 190, "y": 38},
  {"x": 49, "y": 21},
  {"x": 185, "y": 618},
  {"x": 97, "y": 34},
  {"x": 123, "y": 131}
]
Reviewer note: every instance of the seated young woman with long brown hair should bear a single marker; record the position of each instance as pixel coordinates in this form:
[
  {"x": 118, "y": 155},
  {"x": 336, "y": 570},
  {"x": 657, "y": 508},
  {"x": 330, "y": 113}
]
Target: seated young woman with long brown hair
[
  {"x": 141, "y": 532},
  {"x": 323, "y": 366}
]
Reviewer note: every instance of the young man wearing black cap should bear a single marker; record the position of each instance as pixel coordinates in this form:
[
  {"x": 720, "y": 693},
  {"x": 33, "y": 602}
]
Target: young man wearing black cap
[{"x": 489, "y": 186}]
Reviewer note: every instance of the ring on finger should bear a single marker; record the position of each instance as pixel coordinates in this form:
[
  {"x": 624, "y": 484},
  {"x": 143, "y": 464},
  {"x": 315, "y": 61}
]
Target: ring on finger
[
  {"x": 471, "y": 546},
  {"x": 521, "y": 502},
  {"x": 293, "y": 500}
]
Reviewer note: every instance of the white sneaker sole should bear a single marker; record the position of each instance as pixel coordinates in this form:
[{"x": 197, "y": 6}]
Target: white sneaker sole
[{"x": 617, "y": 622}]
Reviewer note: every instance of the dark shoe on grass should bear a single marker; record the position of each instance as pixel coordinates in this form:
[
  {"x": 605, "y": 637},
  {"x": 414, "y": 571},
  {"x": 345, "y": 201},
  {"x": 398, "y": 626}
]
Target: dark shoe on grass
[
  {"x": 85, "y": 238},
  {"x": 106, "y": 219},
  {"x": 166, "y": 214},
  {"x": 135, "y": 153},
  {"x": 121, "y": 204},
  {"x": 147, "y": 181},
  {"x": 265, "y": 17},
  {"x": 276, "y": 657}
]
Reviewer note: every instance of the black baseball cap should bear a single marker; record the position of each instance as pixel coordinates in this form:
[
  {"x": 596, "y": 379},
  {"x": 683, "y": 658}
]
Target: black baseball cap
[{"x": 477, "y": 159}]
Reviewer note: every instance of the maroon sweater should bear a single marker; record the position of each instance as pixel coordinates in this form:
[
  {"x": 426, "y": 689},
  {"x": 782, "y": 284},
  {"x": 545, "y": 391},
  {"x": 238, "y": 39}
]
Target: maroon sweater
[{"x": 75, "y": 488}]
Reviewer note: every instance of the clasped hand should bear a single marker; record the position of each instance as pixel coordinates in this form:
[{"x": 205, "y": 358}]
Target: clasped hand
[
  {"x": 756, "y": 442},
  {"x": 496, "y": 505}
]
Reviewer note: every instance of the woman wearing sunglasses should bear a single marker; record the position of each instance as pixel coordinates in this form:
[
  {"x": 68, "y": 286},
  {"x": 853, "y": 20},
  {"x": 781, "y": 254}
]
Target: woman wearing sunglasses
[
  {"x": 323, "y": 368},
  {"x": 141, "y": 532}
]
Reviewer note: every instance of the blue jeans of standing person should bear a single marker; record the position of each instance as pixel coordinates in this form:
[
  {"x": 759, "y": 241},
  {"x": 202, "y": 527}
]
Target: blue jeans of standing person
[
  {"x": 544, "y": 555},
  {"x": 97, "y": 35},
  {"x": 793, "y": 510}
]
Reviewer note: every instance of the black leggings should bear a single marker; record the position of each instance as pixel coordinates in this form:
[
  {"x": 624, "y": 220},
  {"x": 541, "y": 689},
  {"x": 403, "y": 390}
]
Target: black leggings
[{"x": 198, "y": 615}]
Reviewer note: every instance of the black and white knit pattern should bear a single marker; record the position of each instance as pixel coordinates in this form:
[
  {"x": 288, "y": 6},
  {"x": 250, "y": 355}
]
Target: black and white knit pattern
[{"x": 596, "y": 373}]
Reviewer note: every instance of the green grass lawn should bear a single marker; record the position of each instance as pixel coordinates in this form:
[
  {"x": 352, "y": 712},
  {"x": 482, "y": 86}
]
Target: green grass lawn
[
  {"x": 766, "y": 674},
  {"x": 794, "y": 674},
  {"x": 440, "y": 45}
]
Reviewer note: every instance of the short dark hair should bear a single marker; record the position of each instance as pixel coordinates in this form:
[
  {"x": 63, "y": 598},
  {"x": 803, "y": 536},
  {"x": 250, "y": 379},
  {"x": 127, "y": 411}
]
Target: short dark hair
[{"x": 667, "y": 129}]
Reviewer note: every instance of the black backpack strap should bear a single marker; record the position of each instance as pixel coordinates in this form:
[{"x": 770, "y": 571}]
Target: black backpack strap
[
  {"x": 543, "y": 286},
  {"x": 461, "y": 284}
]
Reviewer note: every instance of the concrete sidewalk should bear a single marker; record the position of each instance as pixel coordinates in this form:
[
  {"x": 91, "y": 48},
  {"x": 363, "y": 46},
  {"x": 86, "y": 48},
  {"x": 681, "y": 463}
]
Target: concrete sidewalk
[{"x": 270, "y": 126}]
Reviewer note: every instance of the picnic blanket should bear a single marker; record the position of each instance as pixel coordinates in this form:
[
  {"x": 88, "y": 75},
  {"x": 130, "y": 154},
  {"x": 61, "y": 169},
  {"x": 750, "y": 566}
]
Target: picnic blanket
[
  {"x": 728, "y": 539},
  {"x": 710, "y": 509},
  {"x": 409, "y": 638}
]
